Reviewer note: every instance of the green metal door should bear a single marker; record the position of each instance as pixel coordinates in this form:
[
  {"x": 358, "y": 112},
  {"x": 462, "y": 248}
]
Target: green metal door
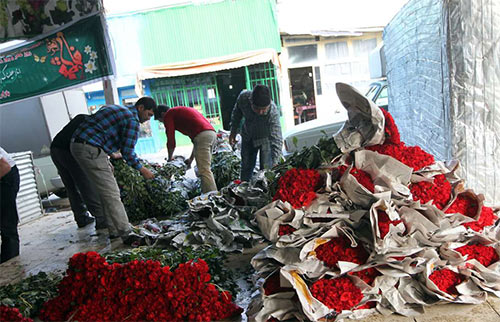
[
  {"x": 264, "y": 73},
  {"x": 197, "y": 91}
]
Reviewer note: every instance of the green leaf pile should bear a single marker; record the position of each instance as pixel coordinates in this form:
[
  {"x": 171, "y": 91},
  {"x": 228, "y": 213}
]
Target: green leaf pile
[
  {"x": 221, "y": 276},
  {"x": 226, "y": 168},
  {"x": 150, "y": 198},
  {"x": 29, "y": 294}
]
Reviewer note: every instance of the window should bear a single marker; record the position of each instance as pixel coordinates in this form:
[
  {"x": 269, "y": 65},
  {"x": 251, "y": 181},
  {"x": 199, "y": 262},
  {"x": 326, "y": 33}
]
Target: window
[
  {"x": 364, "y": 47},
  {"x": 383, "y": 99},
  {"x": 336, "y": 50},
  {"x": 302, "y": 54},
  {"x": 317, "y": 80}
]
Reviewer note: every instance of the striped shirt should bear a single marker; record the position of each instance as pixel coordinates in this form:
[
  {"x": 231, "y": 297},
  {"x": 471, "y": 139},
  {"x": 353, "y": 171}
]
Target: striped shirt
[
  {"x": 263, "y": 130},
  {"x": 113, "y": 128}
]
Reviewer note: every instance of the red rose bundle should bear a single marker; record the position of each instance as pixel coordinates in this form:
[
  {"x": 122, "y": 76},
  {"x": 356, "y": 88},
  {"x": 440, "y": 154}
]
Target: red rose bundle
[
  {"x": 368, "y": 275},
  {"x": 361, "y": 176},
  {"x": 391, "y": 130},
  {"x": 412, "y": 156},
  {"x": 486, "y": 255},
  {"x": 94, "y": 290},
  {"x": 339, "y": 249},
  {"x": 272, "y": 285},
  {"x": 338, "y": 294},
  {"x": 298, "y": 186},
  {"x": 285, "y": 230},
  {"x": 446, "y": 280},
  {"x": 12, "y": 314},
  {"x": 466, "y": 205},
  {"x": 486, "y": 218},
  {"x": 439, "y": 191},
  {"x": 384, "y": 222}
]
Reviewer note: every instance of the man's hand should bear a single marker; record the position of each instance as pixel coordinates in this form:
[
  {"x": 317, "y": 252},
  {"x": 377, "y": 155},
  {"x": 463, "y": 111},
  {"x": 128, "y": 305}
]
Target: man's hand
[
  {"x": 116, "y": 155},
  {"x": 146, "y": 173},
  {"x": 4, "y": 167},
  {"x": 232, "y": 139}
]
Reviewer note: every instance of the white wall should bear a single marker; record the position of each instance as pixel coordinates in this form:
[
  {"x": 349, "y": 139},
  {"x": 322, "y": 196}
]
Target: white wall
[{"x": 351, "y": 69}]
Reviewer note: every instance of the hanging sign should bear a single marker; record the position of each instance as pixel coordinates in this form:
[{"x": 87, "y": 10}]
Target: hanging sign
[{"x": 71, "y": 56}]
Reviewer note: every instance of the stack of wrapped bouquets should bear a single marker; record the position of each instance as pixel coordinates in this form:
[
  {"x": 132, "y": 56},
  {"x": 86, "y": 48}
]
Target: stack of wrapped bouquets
[{"x": 381, "y": 228}]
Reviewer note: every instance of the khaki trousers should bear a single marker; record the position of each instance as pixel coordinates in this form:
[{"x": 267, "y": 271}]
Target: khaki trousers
[
  {"x": 95, "y": 164},
  {"x": 202, "y": 149}
]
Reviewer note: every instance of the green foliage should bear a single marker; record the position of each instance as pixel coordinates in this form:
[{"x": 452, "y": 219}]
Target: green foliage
[
  {"x": 226, "y": 168},
  {"x": 221, "y": 276},
  {"x": 31, "y": 293},
  {"x": 149, "y": 198}
]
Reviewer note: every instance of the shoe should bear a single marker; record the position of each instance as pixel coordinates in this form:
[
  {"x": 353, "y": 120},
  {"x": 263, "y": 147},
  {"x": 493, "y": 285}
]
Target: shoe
[
  {"x": 134, "y": 240},
  {"x": 85, "y": 221}
]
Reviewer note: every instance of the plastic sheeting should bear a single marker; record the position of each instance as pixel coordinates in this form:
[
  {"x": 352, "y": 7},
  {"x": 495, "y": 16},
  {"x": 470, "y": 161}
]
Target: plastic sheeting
[{"x": 443, "y": 71}]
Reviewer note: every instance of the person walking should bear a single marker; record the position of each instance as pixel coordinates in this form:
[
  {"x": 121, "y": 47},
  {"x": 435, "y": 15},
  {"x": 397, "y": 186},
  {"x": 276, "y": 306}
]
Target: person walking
[
  {"x": 81, "y": 194},
  {"x": 257, "y": 118},
  {"x": 113, "y": 128},
  {"x": 191, "y": 123},
  {"x": 9, "y": 187}
]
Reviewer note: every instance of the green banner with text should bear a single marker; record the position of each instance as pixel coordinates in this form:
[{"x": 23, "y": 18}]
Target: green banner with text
[{"x": 71, "y": 56}]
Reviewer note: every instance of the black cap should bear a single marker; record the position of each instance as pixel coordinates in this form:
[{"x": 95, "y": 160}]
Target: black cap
[{"x": 261, "y": 96}]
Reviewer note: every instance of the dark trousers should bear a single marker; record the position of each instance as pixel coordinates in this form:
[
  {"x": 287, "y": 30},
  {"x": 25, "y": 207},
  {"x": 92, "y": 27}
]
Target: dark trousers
[
  {"x": 81, "y": 193},
  {"x": 9, "y": 187},
  {"x": 249, "y": 159}
]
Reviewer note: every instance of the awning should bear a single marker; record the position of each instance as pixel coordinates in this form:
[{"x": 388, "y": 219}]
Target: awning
[{"x": 206, "y": 65}]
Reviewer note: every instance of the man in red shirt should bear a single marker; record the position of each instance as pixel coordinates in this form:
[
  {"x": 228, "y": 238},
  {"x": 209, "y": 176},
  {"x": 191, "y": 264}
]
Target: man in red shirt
[{"x": 190, "y": 122}]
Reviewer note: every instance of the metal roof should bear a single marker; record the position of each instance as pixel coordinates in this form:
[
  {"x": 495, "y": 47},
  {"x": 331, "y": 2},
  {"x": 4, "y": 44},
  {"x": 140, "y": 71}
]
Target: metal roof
[{"x": 194, "y": 32}]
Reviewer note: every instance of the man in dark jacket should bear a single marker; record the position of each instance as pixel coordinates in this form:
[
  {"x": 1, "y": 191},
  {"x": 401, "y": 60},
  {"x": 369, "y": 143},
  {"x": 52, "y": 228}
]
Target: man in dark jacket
[
  {"x": 81, "y": 194},
  {"x": 260, "y": 130}
]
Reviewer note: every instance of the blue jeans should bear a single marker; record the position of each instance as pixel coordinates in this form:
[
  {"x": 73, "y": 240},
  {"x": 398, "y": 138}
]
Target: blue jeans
[{"x": 249, "y": 158}]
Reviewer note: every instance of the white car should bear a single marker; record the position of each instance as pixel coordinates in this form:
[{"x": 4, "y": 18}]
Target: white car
[{"x": 308, "y": 133}]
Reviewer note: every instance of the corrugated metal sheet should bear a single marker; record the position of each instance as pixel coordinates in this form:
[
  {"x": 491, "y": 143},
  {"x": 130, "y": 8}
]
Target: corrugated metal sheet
[
  {"x": 29, "y": 204},
  {"x": 201, "y": 31}
]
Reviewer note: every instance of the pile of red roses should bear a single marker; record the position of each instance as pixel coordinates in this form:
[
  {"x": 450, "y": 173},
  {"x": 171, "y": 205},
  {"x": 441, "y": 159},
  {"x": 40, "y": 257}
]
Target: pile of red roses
[
  {"x": 464, "y": 204},
  {"x": 361, "y": 176},
  {"x": 338, "y": 294},
  {"x": 384, "y": 222},
  {"x": 486, "y": 218},
  {"x": 286, "y": 230},
  {"x": 467, "y": 206},
  {"x": 272, "y": 285},
  {"x": 298, "y": 186},
  {"x": 446, "y": 280},
  {"x": 439, "y": 191},
  {"x": 391, "y": 130},
  {"x": 412, "y": 156},
  {"x": 486, "y": 255},
  {"x": 368, "y": 275},
  {"x": 8, "y": 313},
  {"x": 339, "y": 249},
  {"x": 94, "y": 290}
]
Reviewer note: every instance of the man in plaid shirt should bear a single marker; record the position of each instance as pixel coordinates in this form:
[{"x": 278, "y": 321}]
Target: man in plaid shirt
[
  {"x": 259, "y": 120},
  {"x": 113, "y": 128}
]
